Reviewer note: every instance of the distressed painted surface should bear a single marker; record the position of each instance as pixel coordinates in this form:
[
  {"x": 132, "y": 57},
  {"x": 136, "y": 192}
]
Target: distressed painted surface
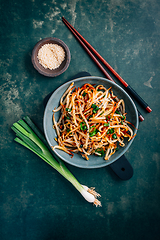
[{"x": 37, "y": 203}]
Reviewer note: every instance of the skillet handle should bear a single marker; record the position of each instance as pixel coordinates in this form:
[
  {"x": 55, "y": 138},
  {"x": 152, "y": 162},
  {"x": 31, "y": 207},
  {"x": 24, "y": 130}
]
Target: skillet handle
[{"x": 122, "y": 168}]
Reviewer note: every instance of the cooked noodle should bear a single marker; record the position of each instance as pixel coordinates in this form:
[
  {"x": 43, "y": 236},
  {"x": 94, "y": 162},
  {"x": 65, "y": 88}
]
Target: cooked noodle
[{"x": 92, "y": 121}]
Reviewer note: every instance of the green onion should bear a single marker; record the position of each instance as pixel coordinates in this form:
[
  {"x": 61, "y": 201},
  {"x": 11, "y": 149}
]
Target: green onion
[
  {"x": 101, "y": 113},
  {"x": 68, "y": 109},
  {"x": 114, "y": 136},
  {"x": 90, "y": 117},
  {"x": 117, "y": 112},
  {"x": 67, "y": 117},
  {"x": 93, "y": 106},
  {"x": 94, "y": 131},
  {"x": 30, "y": 137},
  {"x": 83, "y": 126},
  {"x": 106, "y": 124},
  {"x": 99, "y": 152},
  {"x": 123, "y": 117},
  {"x": 84, "y": 94},
  {"x": 108, "y": 117},
  {"x": 111, "y": 130}
]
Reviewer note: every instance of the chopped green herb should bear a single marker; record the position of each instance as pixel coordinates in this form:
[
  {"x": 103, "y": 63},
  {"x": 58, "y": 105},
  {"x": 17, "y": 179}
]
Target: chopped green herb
[
  {"x": 93, "y": 132},
  {"x": 101, "y": 113},
  {"x": 110, "y": 131},
  {"x": 83, "y": 126},
  {"x": 68, "y": 109},
  {"x": 95, "y": 108},
  {"x": 106, "y": 124},
  {"x": 93, "y": 105},
  {"x": 67, "y": 117},
  {"x": 100, "y": 152},
  {"x": 90, "y": 116},
  {"x": 114, "y": 136},
  {"x": 108, "y": 117},
  {"x": 84, "y": 94},
  {"x": 123, "y": 117},
  {"x": 117, "y": 112}
]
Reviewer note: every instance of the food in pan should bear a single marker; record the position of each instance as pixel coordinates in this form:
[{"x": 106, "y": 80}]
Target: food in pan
[{"x": 92, "y": 121}]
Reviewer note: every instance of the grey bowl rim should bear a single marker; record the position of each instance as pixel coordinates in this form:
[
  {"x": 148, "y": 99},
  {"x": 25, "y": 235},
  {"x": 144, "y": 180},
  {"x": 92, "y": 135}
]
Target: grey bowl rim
[{"x": 105, "y": 162}]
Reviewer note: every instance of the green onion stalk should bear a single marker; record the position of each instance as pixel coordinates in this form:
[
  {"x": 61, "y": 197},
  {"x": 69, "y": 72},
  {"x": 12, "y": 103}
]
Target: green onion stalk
[{"x": 28, "y": 135}]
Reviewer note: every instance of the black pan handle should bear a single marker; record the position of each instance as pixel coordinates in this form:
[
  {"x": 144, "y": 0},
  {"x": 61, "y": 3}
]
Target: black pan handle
[{"x": 122, "y": 168}]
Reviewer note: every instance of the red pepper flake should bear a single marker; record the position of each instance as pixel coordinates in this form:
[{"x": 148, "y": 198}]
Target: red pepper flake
[{"x": 108, "y": 118}]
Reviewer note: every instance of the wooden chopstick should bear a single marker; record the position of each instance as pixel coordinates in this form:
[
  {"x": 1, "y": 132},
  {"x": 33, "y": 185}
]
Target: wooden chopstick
[
  {"x": 126, "y": 85},
  {"x": 141, "y": 118}
]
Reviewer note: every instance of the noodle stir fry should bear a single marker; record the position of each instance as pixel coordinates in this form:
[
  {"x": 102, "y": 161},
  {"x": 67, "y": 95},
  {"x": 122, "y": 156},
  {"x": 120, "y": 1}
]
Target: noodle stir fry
[{"x": 92, "y": 121}]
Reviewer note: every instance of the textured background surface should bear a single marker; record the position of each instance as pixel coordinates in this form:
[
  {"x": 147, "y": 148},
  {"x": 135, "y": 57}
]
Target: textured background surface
[{"x": 35, "y": 201}]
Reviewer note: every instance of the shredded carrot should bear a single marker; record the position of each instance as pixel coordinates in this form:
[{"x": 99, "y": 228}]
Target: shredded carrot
[{"x": 91, "y": 122}]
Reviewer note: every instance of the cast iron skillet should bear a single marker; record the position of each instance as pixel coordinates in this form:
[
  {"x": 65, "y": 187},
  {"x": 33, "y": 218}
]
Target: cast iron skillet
[{"x": 117, "y": 162}]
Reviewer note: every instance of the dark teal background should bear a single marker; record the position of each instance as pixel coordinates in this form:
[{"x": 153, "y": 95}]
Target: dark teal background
[{"x": 36, "y": 202}]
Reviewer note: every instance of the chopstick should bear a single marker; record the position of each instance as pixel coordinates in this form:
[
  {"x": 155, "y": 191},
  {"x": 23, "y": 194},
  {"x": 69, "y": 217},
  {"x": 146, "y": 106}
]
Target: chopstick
[
  {"x": 126, "y": 85},
  {"x": 141, "y": 118}
]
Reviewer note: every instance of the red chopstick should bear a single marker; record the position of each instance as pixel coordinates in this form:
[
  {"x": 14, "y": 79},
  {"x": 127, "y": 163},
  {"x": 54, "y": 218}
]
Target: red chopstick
[
  {"x": 126, "y": 85},
  {"x": 141, "y": 118}
]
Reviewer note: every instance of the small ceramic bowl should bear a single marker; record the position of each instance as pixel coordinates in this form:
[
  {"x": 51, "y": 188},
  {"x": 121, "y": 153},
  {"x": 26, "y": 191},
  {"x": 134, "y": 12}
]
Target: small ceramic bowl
[{"x": 46, "y": 71}]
